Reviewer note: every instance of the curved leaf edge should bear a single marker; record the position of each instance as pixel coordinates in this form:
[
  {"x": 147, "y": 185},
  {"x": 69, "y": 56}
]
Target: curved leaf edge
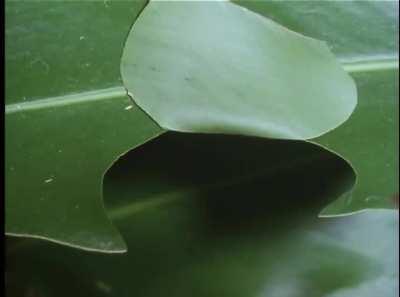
[
  {"x": 124, "y": 246},
  {"x": 264, "y": 19},
  {"x": 309, "y": 140}
]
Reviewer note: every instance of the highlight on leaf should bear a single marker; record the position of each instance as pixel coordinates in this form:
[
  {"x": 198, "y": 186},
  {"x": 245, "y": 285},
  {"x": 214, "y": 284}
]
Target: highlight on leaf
[{"x": 215, "y": 67}]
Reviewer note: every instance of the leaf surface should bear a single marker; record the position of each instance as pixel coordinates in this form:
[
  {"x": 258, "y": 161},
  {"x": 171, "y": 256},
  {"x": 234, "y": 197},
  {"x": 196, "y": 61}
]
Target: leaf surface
[
  {"x": 225, "y": 80},
  {"x": 353, "y": 30},
  {"x": 54, "y": 171},
  {"x": 67, "y": 118},
  {"x": 59, "y": 180},
  {"x": 369, "y": 141},
  {"x": 214, "y": 67},
  {"x": 230, "y": 245},
  {"x": 57, "y": 48},
  {"x": 362, "y": 36}
]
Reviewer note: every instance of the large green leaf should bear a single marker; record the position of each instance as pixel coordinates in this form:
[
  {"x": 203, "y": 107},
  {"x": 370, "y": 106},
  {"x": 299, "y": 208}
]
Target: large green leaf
[
  {"x": 58, "y": 144},
  {"x": 354, "y": 30},
  {"x": 191, "y": 78},
  {"x": 44, "y": 186},
  {"x": 176, "y": 255},
  {"x": 206, "y": 244},
  {"x": 368, "y": 140},
  {"x": 56, "y": 48},
  {"x": 56, "y": 156},
  {"x": 214, "y": 67},
  {"x": 362, "y": 35}
]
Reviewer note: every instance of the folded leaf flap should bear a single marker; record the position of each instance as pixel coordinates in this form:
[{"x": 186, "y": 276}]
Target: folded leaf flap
[{"x": 215, "y": 67}]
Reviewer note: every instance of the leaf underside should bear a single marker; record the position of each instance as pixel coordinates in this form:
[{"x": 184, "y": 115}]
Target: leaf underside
[{"x": 213, "y": 67}]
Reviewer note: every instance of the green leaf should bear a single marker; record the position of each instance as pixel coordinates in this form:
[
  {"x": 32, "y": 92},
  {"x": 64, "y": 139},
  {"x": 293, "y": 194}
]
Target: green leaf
[
  {"x": 56, "y": 156},
  {"x": 240, "y": 245},
  {"x": 354, "y": 30},
  {"x": 58, "y": 144},
  {"x": 214, "y": 67},
  {"x": 57, "y": 48},
  {"x": 361, "y": 34},
  {"x": 368, "y": 141},
  {"x": 187, "y": 79},
  {"x": 55, "y": 195}
]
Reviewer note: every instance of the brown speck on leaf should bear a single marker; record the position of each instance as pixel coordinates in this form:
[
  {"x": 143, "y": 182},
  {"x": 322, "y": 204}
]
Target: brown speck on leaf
[
  {"x": 395, "y": 199},
  {"x": 31, "y": 292}
]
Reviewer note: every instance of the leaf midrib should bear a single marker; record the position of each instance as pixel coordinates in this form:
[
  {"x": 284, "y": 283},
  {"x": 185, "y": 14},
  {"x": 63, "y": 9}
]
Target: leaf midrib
[{"x": 365, "y": 65}]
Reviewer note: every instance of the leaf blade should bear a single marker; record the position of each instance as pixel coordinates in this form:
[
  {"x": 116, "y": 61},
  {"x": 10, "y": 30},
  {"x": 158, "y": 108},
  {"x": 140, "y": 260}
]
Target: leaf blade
[{"x": 248, "y": 85}]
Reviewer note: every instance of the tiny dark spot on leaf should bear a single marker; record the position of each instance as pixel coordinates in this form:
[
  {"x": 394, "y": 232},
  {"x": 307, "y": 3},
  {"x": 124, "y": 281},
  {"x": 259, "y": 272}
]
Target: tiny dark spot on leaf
[{"x": 395, "y": 199}]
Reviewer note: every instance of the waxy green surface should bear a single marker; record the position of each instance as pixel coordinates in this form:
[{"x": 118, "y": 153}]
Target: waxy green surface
[
  {"x": 56, "y": 48},
  {"x": 362, "y": 35},
  {"x": 69, "y": 96},
  {"x": 184, "y": 95},
  {"x": 353, "y": 30},
  {"x": 68, "y": 118},
  {"x": 214, "y": 67},
  {"x": 369, "y": 140},
  {"x": 211, "y": 245},
  {"x": 61, "y": 200}
]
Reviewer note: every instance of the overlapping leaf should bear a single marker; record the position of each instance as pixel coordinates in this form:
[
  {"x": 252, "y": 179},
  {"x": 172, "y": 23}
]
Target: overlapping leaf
[
  {"x": 250, "y": 76},
  {"x": 203, "y": 215},
  {"x": 103, "y": 124},
  {"x": 213, "y": 67},
  {"x": 361, "y": 35},
  {"x": 212, "y": 245}
]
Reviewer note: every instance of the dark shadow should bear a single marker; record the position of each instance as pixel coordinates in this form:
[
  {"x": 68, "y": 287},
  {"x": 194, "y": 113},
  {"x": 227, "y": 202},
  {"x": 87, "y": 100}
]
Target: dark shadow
[
  {"x": 207, "y": 215},
  {"x": 234, "y": 181}
]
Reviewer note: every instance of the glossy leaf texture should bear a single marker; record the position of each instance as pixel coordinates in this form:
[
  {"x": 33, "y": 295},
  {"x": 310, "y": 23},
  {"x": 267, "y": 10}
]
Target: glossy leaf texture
[
  {"x": 68, "y": 118},
  {"x": 102, "y": 123},
  {"x": 213, "y": 215},
  {"x": 233, "y": 241},
  {"x": 224, "y": 80},
  {"x": 353, "y": 30},
  {"x": 56, "y": 48},
  {"x": 362, "y": 36},
  {"x": 55, "y": 171},
  {"x": 369, "y": 140},
  {"x": 214, "y": 67}
]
